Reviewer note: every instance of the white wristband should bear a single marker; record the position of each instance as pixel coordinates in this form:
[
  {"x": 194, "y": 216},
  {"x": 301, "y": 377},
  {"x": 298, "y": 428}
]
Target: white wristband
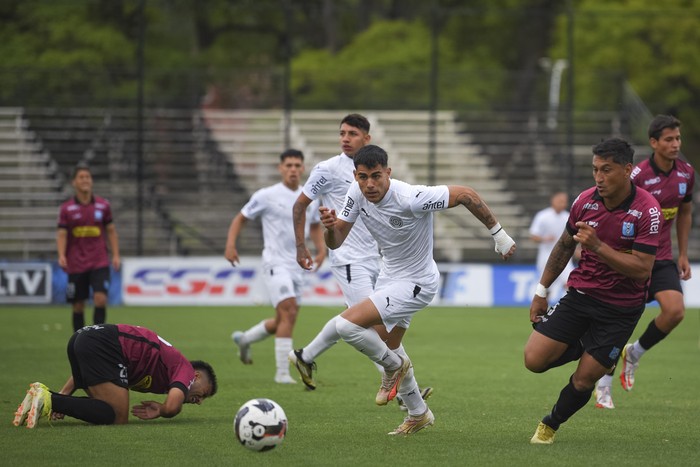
[
  {"x": 495, "y": 229},
  {"x": 541, "y": 291}
]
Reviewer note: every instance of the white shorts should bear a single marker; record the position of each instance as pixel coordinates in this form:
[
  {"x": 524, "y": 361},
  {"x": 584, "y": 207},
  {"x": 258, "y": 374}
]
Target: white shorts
[
  {"x": 281, "y": 283},
  {"x": 357, "y": 280},
  {"x": 398, "y": 300}
]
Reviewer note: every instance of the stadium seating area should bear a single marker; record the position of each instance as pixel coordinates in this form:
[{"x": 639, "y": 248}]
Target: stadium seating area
[{"x": 200, "y": 167}]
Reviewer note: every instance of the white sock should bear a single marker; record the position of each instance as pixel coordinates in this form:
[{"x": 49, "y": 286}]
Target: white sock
[
  {"x": 605, "y": 381},
  {"x": 283, "y": 345},
  {"x": 256, "y": 333},
  {"x": 323, "y": 341},
  {"x": 637, "y": 351},
  {"x": 369, "y": 343},
  {"x": 409, "y": 390}
]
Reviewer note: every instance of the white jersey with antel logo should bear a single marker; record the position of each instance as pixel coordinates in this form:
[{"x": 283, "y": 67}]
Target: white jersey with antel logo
[
  {"x": 402, "y": 224},
  {"x": 274, "y": 206},
  {"x": 330, "y": 181}
]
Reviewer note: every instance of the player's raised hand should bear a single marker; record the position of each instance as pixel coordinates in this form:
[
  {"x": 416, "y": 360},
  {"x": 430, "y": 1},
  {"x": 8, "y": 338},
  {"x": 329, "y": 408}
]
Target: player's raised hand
[
  {"x": 587, "y": 237},
  {"x": 328, "y": 217}
]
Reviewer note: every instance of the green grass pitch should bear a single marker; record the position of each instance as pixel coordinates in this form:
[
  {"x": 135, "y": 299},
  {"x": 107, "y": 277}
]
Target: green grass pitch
[{"x": 486, "y": 403}]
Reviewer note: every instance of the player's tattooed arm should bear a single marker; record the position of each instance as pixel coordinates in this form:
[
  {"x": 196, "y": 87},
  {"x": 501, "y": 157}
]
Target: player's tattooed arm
[
  {"x": 471, "y": 200},
  {"x": 304, "y": 258},
  {"x": 559, "y": 257}
]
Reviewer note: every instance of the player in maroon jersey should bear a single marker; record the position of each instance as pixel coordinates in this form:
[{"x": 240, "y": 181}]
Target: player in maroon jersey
[
  {"x": 108, "y": 360},
  {"x": 84, "y": 222},
  {"x": 670, "y": 180},
  {"x": 617, "y": 226}
]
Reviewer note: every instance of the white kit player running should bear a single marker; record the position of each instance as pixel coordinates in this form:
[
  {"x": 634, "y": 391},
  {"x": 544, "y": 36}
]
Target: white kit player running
[
  {"x": 399, "y": 218},
  {"x": 355, "y": 265},
  {"x": 282, "y": 276}
]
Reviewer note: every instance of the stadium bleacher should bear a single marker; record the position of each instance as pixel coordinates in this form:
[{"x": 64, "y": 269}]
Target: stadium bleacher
[{"x": 200, "y": 167}]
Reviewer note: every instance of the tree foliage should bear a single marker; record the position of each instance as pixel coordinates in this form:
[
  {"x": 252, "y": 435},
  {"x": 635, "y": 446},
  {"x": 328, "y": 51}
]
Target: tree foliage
[{"x": 361, "y": 53}]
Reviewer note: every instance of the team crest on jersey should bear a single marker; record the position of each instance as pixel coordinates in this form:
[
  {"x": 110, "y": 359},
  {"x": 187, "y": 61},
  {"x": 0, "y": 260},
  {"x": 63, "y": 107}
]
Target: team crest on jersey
[
  {"x": 682, "y": 188},
  {"x": 395, "y": 222},
  {"x": 98, "y": 215},
  {"x": 628, "y": 229}
]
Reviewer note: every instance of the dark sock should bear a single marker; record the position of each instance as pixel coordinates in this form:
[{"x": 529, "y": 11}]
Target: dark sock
[
  {"x": 100, "y": 315},
  {"x": 570, "y": 401},
  {"x": 89, "y": 410},
  {"x": 78, "y": 321},
  {"x": 651, "y": 336},
  {"x": 573, "y": 352}
]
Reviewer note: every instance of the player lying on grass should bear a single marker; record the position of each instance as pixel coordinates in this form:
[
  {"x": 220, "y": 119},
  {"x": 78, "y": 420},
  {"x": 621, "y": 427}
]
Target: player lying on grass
[{"x": 106, "y": 361}]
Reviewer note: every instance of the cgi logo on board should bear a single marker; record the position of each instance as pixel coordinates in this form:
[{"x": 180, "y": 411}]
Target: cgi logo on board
[{"x": 188, "y": 282}]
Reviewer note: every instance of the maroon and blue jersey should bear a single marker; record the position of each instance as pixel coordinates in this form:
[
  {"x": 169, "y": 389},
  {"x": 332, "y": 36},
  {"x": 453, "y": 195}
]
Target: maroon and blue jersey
[
  {"x": 634, "y": 225},
  {"x": 86, "y": 248},
  {"x": 671, "y": 189},
  {"x": 154, "y": 365}
]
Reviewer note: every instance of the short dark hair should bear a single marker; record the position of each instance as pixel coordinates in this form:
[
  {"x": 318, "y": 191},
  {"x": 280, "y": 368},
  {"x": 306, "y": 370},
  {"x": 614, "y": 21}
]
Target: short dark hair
[
  {"x": 660, "y": 123},
  {"x": 79, "y": 167},
  {"x": 371, "y": 156},
  {"x": 204, "y": 366},
  {"x": 616, "y": 148},
  {"x": 357, "y": 121},
  {"x": 291, "y": 153}
]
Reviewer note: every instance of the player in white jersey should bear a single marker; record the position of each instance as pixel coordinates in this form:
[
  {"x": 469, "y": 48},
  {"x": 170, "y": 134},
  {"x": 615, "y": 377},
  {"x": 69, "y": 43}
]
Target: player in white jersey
[
  {"x": 282, "y": 276},
  {"x": 355, "y": 265},
  {"x": 546, "y": 228},
  {"x": 399, "y": 218}
]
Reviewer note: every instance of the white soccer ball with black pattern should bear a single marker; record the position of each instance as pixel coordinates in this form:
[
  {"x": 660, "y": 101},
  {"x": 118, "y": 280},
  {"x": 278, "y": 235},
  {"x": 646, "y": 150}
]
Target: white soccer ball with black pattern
[{"x": 260, "y": 424}]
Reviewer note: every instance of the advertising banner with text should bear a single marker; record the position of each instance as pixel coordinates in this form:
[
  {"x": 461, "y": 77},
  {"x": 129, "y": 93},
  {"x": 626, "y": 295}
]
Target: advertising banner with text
[{"x": 213, "y": 281}]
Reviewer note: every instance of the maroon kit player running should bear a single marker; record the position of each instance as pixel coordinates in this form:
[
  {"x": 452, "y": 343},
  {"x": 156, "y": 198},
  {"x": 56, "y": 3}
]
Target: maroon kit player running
[
  {"x": 84, "y": 222},
  {"x": 617, "y": 226},
  {"x": 671, "y": 181},
  {"x": 107, "y": 361}
]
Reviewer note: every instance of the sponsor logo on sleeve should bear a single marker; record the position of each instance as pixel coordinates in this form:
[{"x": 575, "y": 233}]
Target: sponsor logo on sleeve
[
  {"x": 434, "y": 205},
  {"x": 348, "y": 206},
  {"x": 316, "y": 187},
  {"x": 655, "y": 215}
]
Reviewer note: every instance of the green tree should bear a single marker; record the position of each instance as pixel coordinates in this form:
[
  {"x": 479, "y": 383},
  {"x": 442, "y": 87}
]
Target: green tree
[{"x": 651, "y": 45}]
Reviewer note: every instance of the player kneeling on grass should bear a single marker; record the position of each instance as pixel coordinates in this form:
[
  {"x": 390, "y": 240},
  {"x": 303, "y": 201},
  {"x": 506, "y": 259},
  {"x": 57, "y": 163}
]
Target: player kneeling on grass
[{"x": 106, "y": 361}]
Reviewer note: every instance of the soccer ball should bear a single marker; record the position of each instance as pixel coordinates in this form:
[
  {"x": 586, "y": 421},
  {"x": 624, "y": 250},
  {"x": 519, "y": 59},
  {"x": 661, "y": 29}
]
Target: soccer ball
[{"x": 260, "y": 424}]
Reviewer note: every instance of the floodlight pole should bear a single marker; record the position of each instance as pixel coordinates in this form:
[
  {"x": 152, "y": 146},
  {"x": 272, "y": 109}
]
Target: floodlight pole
[
  {"x": 287, "y": 78},
  {"x": 570, "y": 99},
  {"x": 139, "y": 129},
  {"x": 434, "y": 75}
]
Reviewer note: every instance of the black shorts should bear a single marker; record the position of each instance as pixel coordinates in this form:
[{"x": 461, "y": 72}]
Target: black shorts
[
  {"x": 96, "y": 356},
  {"x": 79, "y": 284},
  {"x": 603, "y": 329},
  {"x": 664, "y": 276}
]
